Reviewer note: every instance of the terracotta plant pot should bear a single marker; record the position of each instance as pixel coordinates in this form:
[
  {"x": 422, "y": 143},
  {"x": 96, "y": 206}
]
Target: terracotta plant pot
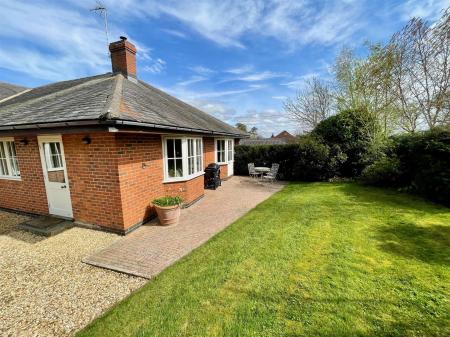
[{"x": 169, "y": 215}]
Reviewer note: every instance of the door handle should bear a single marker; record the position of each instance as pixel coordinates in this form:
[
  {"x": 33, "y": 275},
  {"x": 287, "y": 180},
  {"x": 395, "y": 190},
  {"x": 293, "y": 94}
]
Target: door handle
[{"x": 64, "y": 186}]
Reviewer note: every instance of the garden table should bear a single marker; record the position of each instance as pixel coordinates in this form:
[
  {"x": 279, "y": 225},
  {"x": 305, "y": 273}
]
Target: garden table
[{"x": 262, "y": 170}]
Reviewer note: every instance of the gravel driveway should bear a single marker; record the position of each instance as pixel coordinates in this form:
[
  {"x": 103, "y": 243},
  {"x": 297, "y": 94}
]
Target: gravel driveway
[{"x": 45, "y": 288}]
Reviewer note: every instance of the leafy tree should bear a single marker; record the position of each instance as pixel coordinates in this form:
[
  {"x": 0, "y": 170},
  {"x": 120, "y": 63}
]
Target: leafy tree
[
  {"x": 366, "y": 85},
  {"x": 355, "y": 133},
  {"x": 241, "y": 126}
]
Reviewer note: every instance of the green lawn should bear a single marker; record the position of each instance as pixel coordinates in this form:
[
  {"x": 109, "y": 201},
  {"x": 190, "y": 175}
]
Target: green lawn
[{"x": 316, "y": 259}]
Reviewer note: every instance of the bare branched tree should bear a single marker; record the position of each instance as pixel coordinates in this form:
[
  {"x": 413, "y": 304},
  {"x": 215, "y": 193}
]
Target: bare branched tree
[
  {"x": 422, "y": 72},
  {"x": 312, "y": 104}
]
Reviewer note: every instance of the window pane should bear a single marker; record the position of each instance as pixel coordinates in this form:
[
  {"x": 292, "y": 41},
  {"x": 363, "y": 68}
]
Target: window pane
[
  {"x": 53, "y": 155},
  {"x": 170, "y": 151},
  {"x": 171, "y": 167},
  {"x": 13, "y": 162},
  {"x": 179, "y": 167},
  {"x": 198, "y": 144},
  {"x": 190, "y": 147},
  {"x": 199, "y": 163},
  {"x": 178, "y": 152},
  {"x": 191, "y": 168},
  {"x": 3, "y": 164},
  {"x": 230, "y": 150}
]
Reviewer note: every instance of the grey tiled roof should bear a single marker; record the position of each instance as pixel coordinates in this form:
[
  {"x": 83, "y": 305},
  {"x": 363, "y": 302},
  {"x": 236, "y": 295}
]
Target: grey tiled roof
[
  {"x": 107, "y": 97},
  {"x": 7, "y": 89}
]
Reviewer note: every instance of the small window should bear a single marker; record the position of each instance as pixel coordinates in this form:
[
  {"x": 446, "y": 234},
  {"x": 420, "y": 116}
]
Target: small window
[
  {"x": 183, "y": 158},
  {"x": 224, "y": 150},
  {"x": 221, "y": 151},
  {"x": 53, "y": 157},
  {"x": 9, "y": 165},
  {"x": 174, "y": 158}
]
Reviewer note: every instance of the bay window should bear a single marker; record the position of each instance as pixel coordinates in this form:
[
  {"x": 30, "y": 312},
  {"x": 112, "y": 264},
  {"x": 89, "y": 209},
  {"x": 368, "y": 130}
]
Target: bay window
[
  {"x": 9, "y": 165},
  {"x": 183, "y": 158}
]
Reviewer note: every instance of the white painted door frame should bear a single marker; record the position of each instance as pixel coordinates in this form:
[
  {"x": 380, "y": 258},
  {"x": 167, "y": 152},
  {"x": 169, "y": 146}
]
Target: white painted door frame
[
  {"x": 58, "y": 193},
  {"x": 228, "y": 161}
]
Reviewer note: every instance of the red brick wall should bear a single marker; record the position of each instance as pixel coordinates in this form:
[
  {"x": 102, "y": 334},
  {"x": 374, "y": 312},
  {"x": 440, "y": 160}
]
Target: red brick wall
[
  {"x": 189, "y": 190},
  {"x": 223, "y": 171},
  {"x": 94, "y": 179},
  {"x": 208, "y": 151},
  {"x": 140, "y": 168},
  {"x": 27, "y": 194}
]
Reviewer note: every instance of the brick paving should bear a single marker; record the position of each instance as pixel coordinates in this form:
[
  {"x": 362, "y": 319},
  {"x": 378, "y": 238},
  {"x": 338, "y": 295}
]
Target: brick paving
[{"x": 151, "y": 248}]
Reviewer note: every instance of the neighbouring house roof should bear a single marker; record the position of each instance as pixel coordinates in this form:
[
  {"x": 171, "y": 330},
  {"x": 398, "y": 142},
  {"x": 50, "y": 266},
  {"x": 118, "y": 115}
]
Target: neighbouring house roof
[
  {"x": 7, "y": 90},
  {"x": 263, "y": 141},
  {"x": 284, "y": 134},
  {"x": 110, "y": 99}
]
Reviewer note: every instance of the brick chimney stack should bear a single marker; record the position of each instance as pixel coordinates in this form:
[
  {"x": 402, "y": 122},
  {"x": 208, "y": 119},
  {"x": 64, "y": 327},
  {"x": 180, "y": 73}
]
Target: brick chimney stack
[{"x": 123, "y": 57}]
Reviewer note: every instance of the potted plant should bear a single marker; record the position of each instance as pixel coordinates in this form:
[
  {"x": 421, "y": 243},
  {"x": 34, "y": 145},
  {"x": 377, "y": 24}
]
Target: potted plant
[{"x": 168, "y": 209}]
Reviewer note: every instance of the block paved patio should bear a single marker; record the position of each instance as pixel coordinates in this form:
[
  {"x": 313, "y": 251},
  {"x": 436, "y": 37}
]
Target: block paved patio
[{"x": 151, "y": 248}]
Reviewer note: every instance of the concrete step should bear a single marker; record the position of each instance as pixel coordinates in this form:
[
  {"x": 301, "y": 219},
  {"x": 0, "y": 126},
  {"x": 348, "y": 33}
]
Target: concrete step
[{"x": 46, "y": 225}]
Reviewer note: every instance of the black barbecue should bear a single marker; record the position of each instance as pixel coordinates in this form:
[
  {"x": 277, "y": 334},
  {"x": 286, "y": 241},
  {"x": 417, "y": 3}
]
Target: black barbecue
[{"x": 212, "y": 176}]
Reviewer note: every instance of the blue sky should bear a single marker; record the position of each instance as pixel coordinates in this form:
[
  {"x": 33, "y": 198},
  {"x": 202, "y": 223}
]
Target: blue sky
[{"x": 237, "y": 60}]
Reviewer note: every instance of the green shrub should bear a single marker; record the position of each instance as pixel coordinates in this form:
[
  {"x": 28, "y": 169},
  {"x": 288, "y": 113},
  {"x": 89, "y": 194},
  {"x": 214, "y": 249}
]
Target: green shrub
[
  {"x": 383, "y": 172},
  {"x": 355, "y": 132},
  {"x": 167, "y": 201}
]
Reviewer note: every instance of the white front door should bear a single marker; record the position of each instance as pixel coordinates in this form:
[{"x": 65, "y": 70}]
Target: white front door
[
  {"x": 230, "y": 157},
  {"x": 55, "y": 176}
]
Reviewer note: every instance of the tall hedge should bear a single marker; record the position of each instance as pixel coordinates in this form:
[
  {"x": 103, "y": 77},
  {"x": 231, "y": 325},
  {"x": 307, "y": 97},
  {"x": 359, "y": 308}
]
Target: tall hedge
[
  {"x": 417, "y": 162},
  {"x": 308, "y": 160}
]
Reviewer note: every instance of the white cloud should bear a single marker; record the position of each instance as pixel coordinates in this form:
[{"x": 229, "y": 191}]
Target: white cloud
[
  {"x": 175, "y": 33},
  {"x": 240, "y": 70},
  {"x": 293, "y": 22},
  {"x": 156, "y": 67},
  {"x": 281, "y": 98},
  {"x": 56, "y": 40},
  {"x": 298, "y": 82},
  {"x": 267, "y": 121},
  {"x": 221, "y": 93},
  {"x": 192, "y": 80},
  {"x": 261, "y": 76},
  {"x": 427, "y": 9},
  {"x": 202, "y": 70}
]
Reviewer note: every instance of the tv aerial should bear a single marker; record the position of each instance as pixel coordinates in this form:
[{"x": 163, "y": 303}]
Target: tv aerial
[{"x": 103, "y": 12}]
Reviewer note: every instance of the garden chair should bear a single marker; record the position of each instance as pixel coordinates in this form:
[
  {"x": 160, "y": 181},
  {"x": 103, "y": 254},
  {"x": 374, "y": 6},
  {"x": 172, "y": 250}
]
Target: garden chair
[
  {"x": 251, "y": 171},
  {"x": 272, "y": 175}
]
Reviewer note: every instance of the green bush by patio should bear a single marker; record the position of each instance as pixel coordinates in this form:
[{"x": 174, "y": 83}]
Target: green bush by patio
[{"x": 319, "y": 259}]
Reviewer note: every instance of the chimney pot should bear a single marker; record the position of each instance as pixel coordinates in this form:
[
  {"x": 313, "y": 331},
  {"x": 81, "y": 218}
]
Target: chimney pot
[{"x": 123, "y": 57}]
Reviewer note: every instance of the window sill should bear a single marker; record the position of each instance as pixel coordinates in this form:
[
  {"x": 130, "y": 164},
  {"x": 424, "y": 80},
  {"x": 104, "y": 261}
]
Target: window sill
[
  {"x": 10, "y": 178},
  {"x": 182, "y": 179}
]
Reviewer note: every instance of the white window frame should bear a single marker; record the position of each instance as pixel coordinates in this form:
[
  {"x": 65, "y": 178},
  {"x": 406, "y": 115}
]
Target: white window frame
[
  {"x": 48, "y": 159},
  {"x": 199, "y": 171},
  {"x": 8, "y": 160},
  {"x": 226, "y": 157}
]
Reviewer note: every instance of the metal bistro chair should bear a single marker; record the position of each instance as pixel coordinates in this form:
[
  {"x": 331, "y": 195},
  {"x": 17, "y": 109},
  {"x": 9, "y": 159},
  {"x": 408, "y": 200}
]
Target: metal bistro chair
[
  {"x": 272, "y": 175},
  {"x": 251, "y": 171}
]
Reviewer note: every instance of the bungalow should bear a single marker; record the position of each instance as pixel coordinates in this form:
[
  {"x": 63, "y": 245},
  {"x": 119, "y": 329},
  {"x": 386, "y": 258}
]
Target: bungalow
[{"x": 98, "y": 149}]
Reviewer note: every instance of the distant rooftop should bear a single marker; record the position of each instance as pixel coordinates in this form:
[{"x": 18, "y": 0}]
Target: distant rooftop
[{"x": 284, "y": 134}]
